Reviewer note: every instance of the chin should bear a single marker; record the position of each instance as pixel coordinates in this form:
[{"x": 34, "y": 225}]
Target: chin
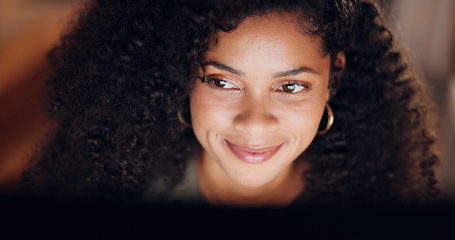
[
  {"x": 248, "y": 180},
  {"x": 251, "y": 183}
]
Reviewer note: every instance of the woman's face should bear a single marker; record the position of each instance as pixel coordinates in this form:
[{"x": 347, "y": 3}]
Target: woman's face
[{"x": 263, "y": 99}]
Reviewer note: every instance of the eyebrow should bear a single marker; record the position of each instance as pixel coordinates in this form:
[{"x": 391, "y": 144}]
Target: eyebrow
[
  {"x": 280, "y": 74},
  {"x": 224, "y": 67},
  {"x": 296, "y": 72}
]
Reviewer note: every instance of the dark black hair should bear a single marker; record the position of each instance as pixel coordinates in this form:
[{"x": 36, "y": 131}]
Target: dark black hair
[{"x": 121, "y": 76}]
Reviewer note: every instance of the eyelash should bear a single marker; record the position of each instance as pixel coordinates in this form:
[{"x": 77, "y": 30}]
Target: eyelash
[
  {"x": 212, "y": 81},
  {"x": 304, "y": 85}
]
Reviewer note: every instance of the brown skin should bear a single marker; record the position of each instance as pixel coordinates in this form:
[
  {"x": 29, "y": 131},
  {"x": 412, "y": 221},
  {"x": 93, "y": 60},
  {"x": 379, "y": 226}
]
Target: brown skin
[{"x": 247, "y": 105}]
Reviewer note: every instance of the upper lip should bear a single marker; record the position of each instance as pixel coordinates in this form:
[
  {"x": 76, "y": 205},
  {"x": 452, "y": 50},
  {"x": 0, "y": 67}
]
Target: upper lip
[{"x": 255, "y": 149}]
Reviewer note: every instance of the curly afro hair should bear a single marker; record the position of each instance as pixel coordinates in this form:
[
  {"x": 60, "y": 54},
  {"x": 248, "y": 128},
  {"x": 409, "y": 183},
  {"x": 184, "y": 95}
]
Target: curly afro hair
[{"x": 124, "y": 72}]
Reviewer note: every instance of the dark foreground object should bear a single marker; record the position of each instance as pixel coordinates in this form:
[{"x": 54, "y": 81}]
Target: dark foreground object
[{"x": 106, "y": 220}]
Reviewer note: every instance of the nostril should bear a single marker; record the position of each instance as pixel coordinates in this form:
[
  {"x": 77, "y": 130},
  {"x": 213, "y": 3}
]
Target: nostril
[{"x": 256, "y": 122}]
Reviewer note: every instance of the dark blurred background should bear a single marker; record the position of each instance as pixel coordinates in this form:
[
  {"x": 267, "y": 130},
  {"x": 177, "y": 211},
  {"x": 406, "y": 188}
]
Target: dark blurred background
[{"x": 29, "y": 28}]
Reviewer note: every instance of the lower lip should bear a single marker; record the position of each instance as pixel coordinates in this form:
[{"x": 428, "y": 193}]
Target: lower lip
[{"x": 253, "y": 156}]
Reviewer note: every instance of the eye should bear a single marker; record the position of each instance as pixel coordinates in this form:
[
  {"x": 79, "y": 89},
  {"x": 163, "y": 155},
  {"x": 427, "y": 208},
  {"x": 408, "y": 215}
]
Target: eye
[
  {"x": 293, "y": 87},
  {"x": 220, "y": 83}
]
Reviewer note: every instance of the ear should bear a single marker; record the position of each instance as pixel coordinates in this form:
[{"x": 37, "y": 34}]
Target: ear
[
  {"x": 336, "y": 71},
  {"x": 340, "y": 61}
]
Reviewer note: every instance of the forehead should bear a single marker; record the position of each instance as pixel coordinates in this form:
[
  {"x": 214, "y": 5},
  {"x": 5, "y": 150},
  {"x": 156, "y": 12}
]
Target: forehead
[
  {"x": 271, "y": 27},
  {"x": 267, "y": 36}
]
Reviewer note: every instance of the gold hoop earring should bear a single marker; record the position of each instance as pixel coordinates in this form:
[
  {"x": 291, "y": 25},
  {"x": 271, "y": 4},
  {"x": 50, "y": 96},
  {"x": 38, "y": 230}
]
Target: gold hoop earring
[
  {"x": 182, "y": 120},
  {"x": 330, "y": 120}
]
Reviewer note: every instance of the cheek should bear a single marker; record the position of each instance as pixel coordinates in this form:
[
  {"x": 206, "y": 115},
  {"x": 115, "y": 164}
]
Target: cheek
[
  {"x": 208, "y": 113},
  {"x": 305, "y": 112},
  {"x": 301, "y": 119}
]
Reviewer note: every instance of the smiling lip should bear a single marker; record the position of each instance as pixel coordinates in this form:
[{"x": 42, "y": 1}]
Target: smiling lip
[{"x": 253, "y": 155}]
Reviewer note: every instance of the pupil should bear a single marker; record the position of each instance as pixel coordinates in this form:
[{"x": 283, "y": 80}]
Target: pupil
[
  {"x": 288, "y": 87},
  {"x": 219, "y": 83}
]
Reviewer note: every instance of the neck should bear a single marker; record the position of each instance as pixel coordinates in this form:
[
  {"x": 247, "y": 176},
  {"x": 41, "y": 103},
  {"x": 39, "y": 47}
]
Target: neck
[{"x": 220, "y": 190}]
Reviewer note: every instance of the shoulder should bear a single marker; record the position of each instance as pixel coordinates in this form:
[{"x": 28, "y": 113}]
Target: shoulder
[{"x": 185, "y": 193}]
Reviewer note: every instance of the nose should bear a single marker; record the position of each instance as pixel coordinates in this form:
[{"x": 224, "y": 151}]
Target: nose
[{"x": 256, "y": 116}]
